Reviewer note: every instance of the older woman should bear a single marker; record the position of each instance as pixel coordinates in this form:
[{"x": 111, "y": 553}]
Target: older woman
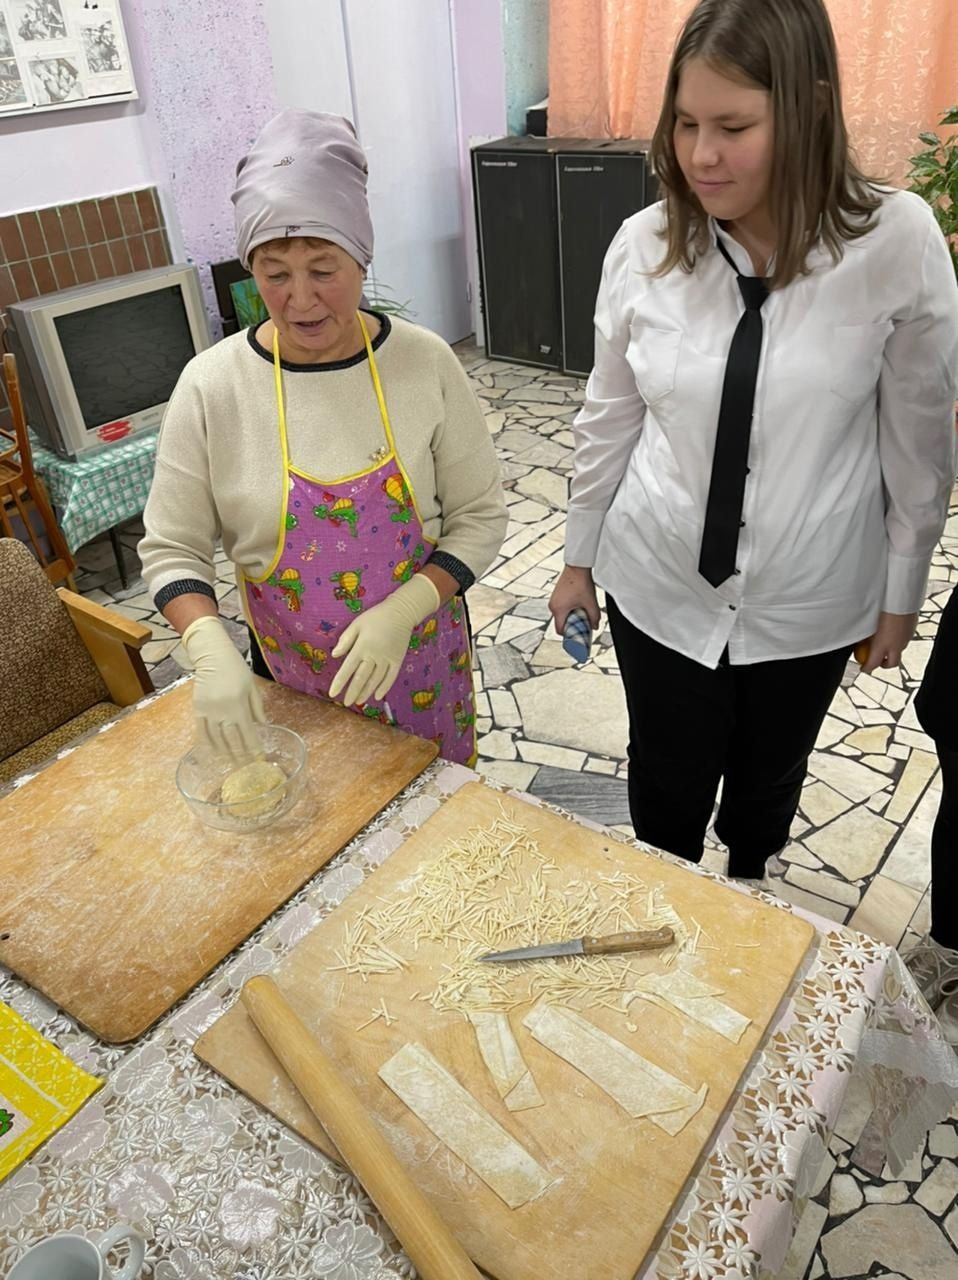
[{"x": 343, "y": 460}]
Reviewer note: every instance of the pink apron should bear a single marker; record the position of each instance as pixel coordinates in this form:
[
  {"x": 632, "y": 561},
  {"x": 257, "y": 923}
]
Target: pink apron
[{"x": 343, "y": 546}]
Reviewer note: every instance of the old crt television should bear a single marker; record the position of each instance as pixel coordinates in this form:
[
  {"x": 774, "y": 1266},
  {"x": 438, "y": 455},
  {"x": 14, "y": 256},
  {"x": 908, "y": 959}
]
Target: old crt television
[{"x": 99, "y": 362}]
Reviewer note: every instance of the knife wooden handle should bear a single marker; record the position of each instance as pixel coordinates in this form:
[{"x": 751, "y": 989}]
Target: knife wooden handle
[
  {"x": 650, "y": 940},
  {"x": 419, "y": 1229}
]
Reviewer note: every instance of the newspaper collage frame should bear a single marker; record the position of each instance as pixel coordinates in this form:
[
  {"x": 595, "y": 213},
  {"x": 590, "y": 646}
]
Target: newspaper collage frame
[{"x": 62, "y": 53}]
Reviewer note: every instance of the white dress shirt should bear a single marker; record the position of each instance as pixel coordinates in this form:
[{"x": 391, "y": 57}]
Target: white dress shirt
[{"x": 851, "y": 460}]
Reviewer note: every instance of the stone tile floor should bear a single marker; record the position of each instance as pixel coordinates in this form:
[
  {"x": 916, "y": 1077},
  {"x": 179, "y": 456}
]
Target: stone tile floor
[{"x": 860, "y": 849}]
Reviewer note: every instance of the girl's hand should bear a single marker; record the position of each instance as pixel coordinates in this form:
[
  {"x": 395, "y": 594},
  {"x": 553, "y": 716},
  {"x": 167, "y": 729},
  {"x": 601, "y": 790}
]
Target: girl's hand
[
  {"x": 895, "y": 632},
  {"x": 574, "y": 589}
]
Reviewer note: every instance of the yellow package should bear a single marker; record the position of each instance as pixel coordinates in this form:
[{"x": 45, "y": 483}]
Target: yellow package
[{"x": 40, "y": 1089}]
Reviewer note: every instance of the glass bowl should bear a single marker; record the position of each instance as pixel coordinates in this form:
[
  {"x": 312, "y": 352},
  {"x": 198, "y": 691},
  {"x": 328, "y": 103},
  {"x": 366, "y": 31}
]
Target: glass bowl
[{"x": 201, "y": 773}]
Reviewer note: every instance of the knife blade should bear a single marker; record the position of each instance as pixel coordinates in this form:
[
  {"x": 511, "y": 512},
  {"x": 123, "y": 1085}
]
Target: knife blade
[{"x": 611, "y": 944}]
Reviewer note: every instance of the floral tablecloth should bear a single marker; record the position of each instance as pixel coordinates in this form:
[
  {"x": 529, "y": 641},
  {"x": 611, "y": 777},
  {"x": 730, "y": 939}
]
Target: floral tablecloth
[{"x": 222, "y": 1190}]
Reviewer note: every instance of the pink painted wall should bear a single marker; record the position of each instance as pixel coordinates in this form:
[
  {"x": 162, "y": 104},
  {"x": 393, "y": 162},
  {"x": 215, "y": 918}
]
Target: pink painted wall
[
  {"x": 481, "y": 85},
  {"x": 205, "y": 82},
  {"x": 205, "y": 78},
  {"x": 45, "y": 161}
]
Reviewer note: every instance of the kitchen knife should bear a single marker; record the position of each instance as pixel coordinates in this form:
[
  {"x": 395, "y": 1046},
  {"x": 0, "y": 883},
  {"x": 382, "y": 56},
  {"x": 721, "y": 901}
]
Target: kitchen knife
[{"x": 611, "y": 944}]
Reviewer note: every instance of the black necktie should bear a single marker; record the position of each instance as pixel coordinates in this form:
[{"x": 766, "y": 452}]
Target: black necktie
[{"x": 723, "y": 515}]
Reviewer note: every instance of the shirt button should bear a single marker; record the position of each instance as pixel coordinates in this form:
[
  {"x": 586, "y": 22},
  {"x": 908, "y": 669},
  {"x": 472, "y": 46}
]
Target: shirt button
[
  {"x": 741, "y": 524},
  {"x": 738, "y": 571},
  {"x": 733, "y": 607}
]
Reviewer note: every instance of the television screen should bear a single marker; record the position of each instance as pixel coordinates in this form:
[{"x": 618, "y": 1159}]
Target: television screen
[{"x": 126, "y": 355}]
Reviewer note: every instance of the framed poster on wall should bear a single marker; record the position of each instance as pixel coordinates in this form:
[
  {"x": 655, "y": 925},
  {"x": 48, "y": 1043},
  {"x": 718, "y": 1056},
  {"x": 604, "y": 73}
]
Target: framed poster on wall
[{"x": 56, "y": 54}]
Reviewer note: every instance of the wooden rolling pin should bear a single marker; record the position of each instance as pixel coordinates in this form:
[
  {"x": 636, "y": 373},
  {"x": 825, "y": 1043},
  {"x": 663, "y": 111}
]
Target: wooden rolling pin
[{"x": 419, "y": 1229}]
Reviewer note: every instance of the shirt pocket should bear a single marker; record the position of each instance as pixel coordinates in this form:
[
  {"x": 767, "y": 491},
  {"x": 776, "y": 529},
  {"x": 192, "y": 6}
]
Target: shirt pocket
[
  {"x": 654, "y": 357},
  {"x": 856, "y": 359}
]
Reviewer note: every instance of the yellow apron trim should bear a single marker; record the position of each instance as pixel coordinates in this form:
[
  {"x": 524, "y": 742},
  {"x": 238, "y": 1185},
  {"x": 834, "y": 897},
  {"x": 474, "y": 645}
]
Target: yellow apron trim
[
  {"x": 284, "y": 447},
  {"x": 280, "y": 401},
  {"x": 381, "y": 399},
  {"x": 471, "y": 762},
  {"x": 257, "y": 638},
  {"x": 393, "y": 453},
  {"x": 323, "y": 480},
  {"x": 387, "y": 428},
  {"x": 357, "y": 475}
]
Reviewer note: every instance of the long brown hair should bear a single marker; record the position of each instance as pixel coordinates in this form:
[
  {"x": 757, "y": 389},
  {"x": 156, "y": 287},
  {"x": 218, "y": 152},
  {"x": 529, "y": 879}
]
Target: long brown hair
[{"x": 817, "y": 191}]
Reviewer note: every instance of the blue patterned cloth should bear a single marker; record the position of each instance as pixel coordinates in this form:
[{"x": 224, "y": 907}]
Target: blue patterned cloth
[{"x": 577, "y": 635}]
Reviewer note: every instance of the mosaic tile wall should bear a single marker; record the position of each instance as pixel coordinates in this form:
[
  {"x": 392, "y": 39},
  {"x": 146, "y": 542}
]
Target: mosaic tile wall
[{"x": 44, "y": 250}]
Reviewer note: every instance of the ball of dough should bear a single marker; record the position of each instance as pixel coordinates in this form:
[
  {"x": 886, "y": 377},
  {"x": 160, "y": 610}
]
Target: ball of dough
[{"x": 253, "y": 790}]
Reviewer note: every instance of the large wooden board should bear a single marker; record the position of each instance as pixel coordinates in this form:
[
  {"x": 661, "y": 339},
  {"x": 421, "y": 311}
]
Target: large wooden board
[
  {"x": 617, "y": 1177},
  {"x": 117, "y": 899}
]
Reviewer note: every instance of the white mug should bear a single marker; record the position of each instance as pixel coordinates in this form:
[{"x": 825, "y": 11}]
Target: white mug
[{"x": 72, "y": 1257}]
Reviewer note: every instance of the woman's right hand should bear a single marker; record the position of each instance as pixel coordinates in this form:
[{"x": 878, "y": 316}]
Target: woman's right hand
[
  {"x": 226, "y": 702},
  {"x": 574, "y": 590}
]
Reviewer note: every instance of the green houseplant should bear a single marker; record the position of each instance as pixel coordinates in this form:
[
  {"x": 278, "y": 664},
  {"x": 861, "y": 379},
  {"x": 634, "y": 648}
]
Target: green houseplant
[{"x": 934, "y": 176}]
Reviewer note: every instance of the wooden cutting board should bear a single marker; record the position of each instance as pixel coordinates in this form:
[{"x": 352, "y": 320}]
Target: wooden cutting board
[
  {"x": 118, "y": 899},
  {"x": 617, "y": 1177}
]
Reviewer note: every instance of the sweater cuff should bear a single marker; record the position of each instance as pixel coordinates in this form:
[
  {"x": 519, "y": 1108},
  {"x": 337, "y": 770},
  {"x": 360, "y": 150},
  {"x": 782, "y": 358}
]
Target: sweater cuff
[
  {"x": 905, "y": 584},
  {"x": 583, "y": 529},
  {"x": 182, "y": 587},
  {"x": 452, "y": 565}
]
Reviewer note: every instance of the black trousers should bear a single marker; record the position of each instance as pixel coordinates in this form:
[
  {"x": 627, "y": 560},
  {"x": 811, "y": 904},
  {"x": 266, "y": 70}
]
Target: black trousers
[
  {"x": 689, "y": 726},
  {"x": 256, "y": 659},
  {"x": 936, "y": 705},
  {"x": 944, "y": 853},
  {"x": 936, "y": 702}
]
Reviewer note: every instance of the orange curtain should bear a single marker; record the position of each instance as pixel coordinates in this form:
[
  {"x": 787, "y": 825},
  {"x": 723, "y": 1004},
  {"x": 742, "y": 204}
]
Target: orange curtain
[{"x": 899, "y": 59}]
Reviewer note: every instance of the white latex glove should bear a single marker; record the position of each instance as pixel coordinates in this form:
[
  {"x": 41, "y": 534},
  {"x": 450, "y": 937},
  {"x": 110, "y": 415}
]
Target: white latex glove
[
  {"x": 376, "y": 643},
  {"x": 226, "y": 701}
]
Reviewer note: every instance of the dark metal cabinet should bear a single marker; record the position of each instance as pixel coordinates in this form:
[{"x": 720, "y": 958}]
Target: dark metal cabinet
[
  {"x": 517, "y": 227},
  {"x": 546, "y": 212}
]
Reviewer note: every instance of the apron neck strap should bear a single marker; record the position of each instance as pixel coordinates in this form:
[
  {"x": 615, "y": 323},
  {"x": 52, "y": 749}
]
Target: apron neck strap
[
  {"x": 280, "y": 403},
  {"x": 374, "y": 374},
  {"x": 380, "y": 398}
]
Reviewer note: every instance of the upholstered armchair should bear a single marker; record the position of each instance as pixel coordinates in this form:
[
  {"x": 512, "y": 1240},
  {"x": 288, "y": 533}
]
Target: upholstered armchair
[{"x": 66, "y": 664}]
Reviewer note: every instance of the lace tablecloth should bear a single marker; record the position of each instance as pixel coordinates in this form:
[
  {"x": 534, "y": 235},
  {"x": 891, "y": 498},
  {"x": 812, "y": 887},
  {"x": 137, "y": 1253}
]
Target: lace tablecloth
[{"x": 222, "y": 1190}]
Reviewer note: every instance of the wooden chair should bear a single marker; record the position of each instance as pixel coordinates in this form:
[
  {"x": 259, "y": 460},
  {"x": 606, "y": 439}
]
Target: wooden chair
[
  {"x": 22, "y": 492},
  {"x": 66, "y": 664}
]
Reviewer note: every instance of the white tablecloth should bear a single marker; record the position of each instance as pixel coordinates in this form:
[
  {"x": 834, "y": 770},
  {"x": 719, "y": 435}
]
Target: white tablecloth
[{"x": 222, "y": 1190}]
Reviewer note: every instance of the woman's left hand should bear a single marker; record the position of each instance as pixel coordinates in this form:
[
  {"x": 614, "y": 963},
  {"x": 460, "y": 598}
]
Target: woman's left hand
[
  {"x": 374, "y": 645},
  {"x": 895, "y": 632}
]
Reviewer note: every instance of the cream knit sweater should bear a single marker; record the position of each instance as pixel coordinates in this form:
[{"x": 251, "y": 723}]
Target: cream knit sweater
[{"x": 219, "y": 466}]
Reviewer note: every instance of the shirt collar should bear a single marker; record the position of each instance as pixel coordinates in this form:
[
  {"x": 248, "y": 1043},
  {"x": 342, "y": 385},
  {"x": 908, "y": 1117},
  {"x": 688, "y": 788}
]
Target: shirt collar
[
  {"x": 818, "y": 255},
  {"x": 737, "y": 252}
]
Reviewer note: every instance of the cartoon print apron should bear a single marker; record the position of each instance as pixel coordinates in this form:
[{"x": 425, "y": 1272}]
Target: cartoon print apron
[{"x": 343, "y": 546}]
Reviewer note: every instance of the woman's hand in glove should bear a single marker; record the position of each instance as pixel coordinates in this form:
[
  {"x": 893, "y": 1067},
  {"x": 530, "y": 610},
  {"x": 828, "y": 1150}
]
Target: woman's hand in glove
[
  {"x": 375, "y": 644},
  {"x": 226, "y": 701}
]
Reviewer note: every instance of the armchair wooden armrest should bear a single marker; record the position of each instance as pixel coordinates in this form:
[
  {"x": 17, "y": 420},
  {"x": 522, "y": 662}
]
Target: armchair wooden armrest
[{"x": 114, "y": 644}]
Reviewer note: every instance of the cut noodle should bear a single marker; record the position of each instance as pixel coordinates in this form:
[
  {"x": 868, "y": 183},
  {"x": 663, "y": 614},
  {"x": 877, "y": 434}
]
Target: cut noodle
[{"x": 492, "y": 890}]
